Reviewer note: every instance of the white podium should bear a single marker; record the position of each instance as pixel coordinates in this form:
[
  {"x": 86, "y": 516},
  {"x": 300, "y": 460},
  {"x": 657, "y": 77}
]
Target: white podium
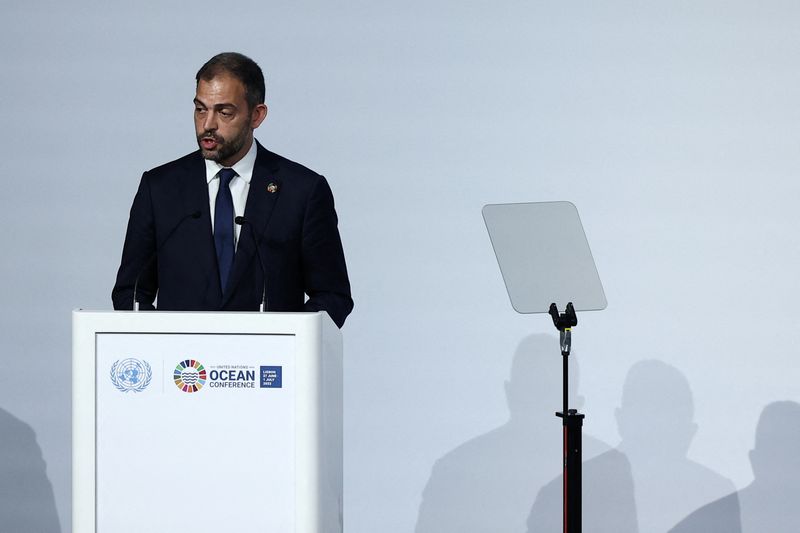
[{"x": 206, "y": 422}]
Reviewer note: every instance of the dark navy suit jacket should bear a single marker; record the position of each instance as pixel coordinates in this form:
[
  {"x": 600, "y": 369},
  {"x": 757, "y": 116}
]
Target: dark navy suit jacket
[{"x": 295, "y": 230}]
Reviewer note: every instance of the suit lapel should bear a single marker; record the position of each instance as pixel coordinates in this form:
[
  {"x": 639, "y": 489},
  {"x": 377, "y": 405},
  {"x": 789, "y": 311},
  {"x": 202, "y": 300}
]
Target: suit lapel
[{"x": 261, "y": 200}]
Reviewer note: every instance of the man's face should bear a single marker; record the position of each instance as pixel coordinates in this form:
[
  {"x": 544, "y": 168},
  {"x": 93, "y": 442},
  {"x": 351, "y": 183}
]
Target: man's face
[{"x": 222, "y": 120}]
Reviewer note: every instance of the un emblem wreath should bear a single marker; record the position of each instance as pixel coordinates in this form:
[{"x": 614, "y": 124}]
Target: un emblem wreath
[{"x": 131, "y": 375}]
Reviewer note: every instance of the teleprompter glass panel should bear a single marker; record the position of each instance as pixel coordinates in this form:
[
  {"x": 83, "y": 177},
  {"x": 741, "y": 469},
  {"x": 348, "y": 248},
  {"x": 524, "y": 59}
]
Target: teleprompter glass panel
[{"x": 544, "y": 256}]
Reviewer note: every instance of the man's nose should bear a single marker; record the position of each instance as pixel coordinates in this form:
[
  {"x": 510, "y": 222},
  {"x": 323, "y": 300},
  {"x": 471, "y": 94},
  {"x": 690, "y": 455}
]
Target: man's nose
[{"x": 210, "y": 123}]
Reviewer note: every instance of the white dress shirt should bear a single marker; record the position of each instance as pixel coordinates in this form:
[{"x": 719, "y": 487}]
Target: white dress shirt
[{"x": 240, "y": 185}]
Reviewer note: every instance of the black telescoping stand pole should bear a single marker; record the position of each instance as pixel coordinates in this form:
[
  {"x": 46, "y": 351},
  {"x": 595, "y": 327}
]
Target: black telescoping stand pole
[{"x": 572, "y": 424}]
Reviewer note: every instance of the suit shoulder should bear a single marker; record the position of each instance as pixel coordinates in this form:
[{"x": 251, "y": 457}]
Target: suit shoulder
[
  {"x": 181, "y": 164},
  {"x": 291, "y": 170}
]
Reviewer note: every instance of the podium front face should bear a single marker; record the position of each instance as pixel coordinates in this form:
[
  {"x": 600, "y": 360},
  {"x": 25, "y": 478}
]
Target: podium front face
[{"x": 206, "y": 422}]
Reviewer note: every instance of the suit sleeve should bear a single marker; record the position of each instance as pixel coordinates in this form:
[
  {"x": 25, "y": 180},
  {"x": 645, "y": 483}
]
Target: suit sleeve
[
  {"x": 324, "y": 269},
  {"x": 138, "y": 255}
]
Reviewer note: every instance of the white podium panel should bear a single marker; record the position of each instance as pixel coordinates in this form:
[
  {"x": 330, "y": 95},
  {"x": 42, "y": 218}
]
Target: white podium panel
[{"x": 206, "y": 422}]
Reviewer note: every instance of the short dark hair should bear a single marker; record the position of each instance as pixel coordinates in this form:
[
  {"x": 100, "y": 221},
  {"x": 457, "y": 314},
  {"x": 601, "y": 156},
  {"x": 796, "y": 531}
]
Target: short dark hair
[{"x": 240, "y": 67}]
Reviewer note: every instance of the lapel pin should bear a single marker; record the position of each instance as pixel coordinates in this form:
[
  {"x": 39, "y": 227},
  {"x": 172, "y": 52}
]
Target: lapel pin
[{"x": 272, "y": 187}]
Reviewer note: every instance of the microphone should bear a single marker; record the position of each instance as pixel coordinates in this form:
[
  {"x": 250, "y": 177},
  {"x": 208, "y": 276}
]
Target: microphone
[
  {"x": 194, "y": 215},
  {"x": 242, "y": 221}
]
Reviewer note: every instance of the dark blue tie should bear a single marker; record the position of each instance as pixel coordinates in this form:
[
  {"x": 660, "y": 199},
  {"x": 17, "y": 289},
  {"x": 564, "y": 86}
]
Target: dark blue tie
[{"x": 223, "y": 226}]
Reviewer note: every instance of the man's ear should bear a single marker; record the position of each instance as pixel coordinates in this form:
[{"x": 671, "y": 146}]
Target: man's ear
[{"x": 258, "y": 115}]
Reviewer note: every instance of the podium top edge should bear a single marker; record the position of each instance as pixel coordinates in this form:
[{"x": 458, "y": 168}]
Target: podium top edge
[
  {"x": 202, "y": 319},
  {"x": 226, "y": 313}
]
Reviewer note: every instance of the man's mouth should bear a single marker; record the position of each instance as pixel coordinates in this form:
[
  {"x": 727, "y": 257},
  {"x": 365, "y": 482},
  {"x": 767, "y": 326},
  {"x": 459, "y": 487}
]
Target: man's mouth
[{"x": 208, "y": 143}]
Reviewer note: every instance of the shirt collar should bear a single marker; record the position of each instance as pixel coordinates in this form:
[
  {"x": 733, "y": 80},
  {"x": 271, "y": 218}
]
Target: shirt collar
[{"x": 244, "y": 167}]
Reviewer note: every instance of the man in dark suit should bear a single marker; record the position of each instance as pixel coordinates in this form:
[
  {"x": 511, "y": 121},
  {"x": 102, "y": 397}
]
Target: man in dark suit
[{"x": 187, "y": 242}]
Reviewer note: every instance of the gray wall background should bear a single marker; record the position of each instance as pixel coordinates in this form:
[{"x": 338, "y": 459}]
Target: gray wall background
[{"x": 672, "y": 125}]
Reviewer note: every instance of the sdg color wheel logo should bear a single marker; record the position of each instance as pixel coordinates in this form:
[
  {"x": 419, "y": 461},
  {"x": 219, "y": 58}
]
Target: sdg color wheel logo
[
  {"x": 131, "y": 375},
  {"x": 189, "y": 375}
]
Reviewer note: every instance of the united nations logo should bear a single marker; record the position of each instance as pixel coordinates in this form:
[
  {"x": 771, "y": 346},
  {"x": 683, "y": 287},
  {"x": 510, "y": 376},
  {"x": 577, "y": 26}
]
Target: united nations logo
[
  {"x": 189, "y": 375},
  {"x": 131, "y": 375}
]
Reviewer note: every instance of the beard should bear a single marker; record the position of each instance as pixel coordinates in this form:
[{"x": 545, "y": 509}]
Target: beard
[{"x": 225, "y": 148}]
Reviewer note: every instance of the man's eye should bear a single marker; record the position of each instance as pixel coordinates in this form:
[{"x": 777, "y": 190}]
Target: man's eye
[
  {"x": 199, "y": 110},
  {"x": 225, "y": 113}
]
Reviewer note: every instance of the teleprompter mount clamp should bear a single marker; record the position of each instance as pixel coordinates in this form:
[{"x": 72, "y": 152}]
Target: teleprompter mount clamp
[
  {"x": 564, "y": 322},
  {"x": 572, "y": 422}
]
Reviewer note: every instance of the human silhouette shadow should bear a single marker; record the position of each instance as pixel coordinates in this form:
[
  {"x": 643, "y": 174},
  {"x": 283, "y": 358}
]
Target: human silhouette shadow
[
  {"x": 656, "y": 423},
  {"x": 27, "y": 504},
  {"x": 769, "y": 503},
  {"x": 486, "y": 485}
]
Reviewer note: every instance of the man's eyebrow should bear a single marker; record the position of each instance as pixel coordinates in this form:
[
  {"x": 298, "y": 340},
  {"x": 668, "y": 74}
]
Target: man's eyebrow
[{"x": 223, "y": 105}]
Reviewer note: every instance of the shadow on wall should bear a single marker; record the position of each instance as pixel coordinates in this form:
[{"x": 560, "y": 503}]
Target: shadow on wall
[
  {"x": 769, "y": 503},
  {"x": 656, "y": 423},
  {"x": 26, "y": 495},
  {"x": 488, "y": 483}
]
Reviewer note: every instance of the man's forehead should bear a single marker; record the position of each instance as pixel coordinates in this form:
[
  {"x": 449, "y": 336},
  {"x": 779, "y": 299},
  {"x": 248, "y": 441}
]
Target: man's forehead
[{"x": 221, "y": 87}]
